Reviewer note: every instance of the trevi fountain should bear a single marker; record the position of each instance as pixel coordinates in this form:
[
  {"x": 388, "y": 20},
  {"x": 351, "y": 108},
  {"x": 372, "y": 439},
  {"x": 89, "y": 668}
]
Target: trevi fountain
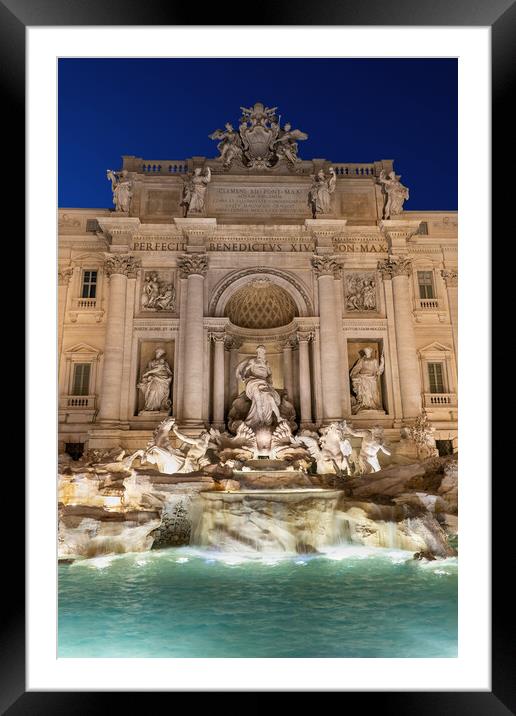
[{"x": 257, "y": 409}]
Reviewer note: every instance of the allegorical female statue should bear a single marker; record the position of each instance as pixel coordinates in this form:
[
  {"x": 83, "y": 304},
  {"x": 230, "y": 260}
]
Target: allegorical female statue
[
  {"x": 396, "y": 193},
  {"x": 364, "y": 382},
  {"x": 256, "y": 374},
  {"x": 121, "y": 188},
  {"x": 194, "y": 191},
  {"x": 320, "y": 191},
  {"x": 155, "y": 383}
]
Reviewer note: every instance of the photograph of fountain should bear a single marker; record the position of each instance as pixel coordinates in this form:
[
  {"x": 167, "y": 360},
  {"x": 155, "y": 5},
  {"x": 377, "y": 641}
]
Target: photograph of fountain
[{"x": 257, "y": 358}]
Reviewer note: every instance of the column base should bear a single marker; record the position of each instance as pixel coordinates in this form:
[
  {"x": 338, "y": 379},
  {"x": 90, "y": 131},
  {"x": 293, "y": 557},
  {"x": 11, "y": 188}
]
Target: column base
[{"x": 218, "y": 426}]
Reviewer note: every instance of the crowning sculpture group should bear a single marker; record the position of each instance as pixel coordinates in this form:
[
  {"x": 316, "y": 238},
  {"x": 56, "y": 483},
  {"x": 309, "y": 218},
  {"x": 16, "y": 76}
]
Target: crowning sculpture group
[{"x": 261, "y": 143}]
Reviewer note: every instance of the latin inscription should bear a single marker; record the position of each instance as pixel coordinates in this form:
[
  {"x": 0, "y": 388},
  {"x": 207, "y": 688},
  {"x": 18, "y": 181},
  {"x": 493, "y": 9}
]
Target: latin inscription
[
  {"x": 258, "y": 200},
  {"x": 261, "y": 246}
]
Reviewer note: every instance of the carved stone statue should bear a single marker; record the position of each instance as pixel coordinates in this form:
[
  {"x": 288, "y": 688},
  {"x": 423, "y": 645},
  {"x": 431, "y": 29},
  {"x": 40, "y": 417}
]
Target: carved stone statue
[
  {"x": 260, "y": 141},
  {"x": 422, "y": 433},
  {"x": 396, "y": 193},
  {"x": 194, "y": 191},
  {"x": 372, "y": 444},
  {"x": 230, "y": 146},
  {"x": 320, "y": 191},
  {"x": 360, "y": 292},
  {"x": 364, "y": 382},
  {"x": 170, "y": 460},
  {"x": 155, "y": 383},
  {"x": 256, "y": 374},
  {"x": 157, "y": 295},
  {"x": 121, "y": 188},
  {"x": 286, "y": 144},
  {"x": 331, "y": 451}
]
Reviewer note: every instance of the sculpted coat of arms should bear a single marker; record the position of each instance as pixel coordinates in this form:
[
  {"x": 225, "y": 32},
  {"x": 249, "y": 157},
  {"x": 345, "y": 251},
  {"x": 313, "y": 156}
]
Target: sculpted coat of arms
[{"x": 260, "y": 142}]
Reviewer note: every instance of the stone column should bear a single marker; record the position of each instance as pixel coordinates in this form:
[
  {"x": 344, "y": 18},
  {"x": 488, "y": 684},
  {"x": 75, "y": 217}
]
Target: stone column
[
  {"x": 326, "y": 268},
  {"x": 288, "y": 371},
  {"x": 451, "y": 277},
  {"x": 399, "y": 269},
  {"x": 305, "y": 388},
  {"x": 193, "y": 267},
  {"x": 64, "y": 276},
  {"x": 117, "y": 267},
  {"x": 232, "y": 345},
  {"x": 218, "y": 380}
]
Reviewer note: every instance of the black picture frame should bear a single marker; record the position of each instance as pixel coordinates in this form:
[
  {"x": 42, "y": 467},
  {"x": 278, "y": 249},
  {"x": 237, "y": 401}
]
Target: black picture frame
[{"x": 500, "y": 16}]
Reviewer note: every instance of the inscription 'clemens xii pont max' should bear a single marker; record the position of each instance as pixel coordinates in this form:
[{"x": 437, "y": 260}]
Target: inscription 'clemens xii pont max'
[{"x": 258, "y": 200}]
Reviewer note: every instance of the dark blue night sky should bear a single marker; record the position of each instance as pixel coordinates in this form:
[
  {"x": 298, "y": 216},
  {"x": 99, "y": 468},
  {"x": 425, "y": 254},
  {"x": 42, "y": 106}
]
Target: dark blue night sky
[{"x": 354, "y": 110}]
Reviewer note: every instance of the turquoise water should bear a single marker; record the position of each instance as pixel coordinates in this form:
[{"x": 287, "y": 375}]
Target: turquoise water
[{"x": 185, "y": 602}]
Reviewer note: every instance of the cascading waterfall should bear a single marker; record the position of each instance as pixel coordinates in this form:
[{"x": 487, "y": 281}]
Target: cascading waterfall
[
  {"x": 266, "y": 520},
  {"x": 304, "y": 521}
]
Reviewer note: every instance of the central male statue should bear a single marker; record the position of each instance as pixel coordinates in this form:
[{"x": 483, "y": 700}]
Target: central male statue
[{"x": 256, "y": 374}]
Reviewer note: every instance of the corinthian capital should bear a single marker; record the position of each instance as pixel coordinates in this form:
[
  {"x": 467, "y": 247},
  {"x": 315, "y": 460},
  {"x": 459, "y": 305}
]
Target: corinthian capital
[
  {"x": 326, "y": 266},
  {"x": 123, "y": 264},
  {"x": 395, "y": 266},
  {"x": 450, "y": 276},
  {"x": 64, "y": 275},
  {"x": 191, "y": 264},
  {"x": 305, "y": 336}
]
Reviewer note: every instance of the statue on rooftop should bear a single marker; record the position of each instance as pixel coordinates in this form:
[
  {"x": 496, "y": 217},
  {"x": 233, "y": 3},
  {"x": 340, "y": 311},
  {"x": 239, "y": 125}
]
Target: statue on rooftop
[
  {"x": 396, "y": 193},
  {"x": 260, "y": 142},
  {"x": 194, "y": 191},
  {"x": 320, "y": 191},
  {"x": 121, "y": 188}
]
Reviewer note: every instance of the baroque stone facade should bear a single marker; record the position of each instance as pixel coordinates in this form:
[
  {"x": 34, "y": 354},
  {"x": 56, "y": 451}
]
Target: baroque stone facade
[{"x": 252, "y": 266}]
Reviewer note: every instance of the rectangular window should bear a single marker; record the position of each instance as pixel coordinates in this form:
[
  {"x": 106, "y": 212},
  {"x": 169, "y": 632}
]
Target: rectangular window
[
  {"x": 426, "y": 284},
  {"x": 435, "y": 377},
  {"x": 81, "y": 379},
  {"x": 89, "y": 284},
  {"x": 423, "y": 228}
]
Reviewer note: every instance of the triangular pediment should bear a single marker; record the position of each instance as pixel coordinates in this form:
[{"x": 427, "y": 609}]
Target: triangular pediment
[
  {"x": 83, "y": 348},
  {"x": 435, "y": 347}
]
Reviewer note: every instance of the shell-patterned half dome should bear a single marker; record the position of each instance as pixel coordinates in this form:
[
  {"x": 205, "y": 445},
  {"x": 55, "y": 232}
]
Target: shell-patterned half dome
[{"x": 261, "y": 304}]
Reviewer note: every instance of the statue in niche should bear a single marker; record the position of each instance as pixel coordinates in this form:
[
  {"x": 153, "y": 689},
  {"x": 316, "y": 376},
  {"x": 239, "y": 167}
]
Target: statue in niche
[
  {"x": 372, "y": 444},
  {"x": 360, "y": 292},
  {"x": 157, "y": 295},
  {"x": 256, "y": 374},
  {"x": 396, "y": 193},
  {"x": 364, "y": 382},
  {"x": 170, "y": 460},
  {"x": 155, "y": 383},
  {"x": 320, "y": 192},
  {"x": 121, "y": 188},
  {"x": 230, "y": 145},
  {"x": 194, "y": 191}
]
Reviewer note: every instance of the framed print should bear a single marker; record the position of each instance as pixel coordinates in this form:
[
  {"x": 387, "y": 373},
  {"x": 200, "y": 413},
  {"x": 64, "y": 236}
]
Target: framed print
[{"x": 252, "y": 356}]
